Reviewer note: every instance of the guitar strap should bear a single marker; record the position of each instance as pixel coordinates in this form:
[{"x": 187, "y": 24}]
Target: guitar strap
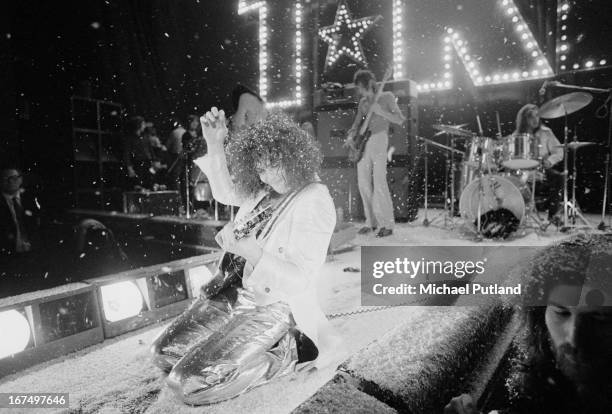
[{"x": 280, "y": 209}]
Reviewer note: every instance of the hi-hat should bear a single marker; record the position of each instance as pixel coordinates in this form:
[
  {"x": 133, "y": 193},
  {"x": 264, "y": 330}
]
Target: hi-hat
[
  {"x": 453, "y": 130},
  {"x": 565, "y": 105},
  {"x": 574, "y": 145}
]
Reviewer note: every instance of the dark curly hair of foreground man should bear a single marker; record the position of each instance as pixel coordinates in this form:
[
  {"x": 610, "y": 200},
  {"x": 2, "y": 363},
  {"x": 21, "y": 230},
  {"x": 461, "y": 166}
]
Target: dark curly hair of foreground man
[{"x": 562, "y": 359}]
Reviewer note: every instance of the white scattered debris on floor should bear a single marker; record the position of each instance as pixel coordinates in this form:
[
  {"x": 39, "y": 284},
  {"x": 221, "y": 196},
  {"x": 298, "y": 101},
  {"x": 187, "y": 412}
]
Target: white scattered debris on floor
[{"x": 117, "y": 376}]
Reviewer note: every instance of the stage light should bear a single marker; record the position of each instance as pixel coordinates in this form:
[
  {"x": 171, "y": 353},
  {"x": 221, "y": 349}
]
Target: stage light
[
  {"x": 16, "y": 332},
  {"x": 121, "y": 300},
  {"x": 261, "y": 6},
  {"x": 602, "y": 62},
  {"x": 589, "y": 64}
]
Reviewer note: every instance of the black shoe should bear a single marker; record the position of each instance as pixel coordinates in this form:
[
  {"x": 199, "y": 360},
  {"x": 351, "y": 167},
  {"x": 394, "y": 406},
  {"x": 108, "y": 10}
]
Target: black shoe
[
  {"x": 365, "y": 230},
  {"x": 383, "y": 232}
]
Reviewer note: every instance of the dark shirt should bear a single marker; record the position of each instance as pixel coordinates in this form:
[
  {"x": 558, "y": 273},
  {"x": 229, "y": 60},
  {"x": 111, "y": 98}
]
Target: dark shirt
[
  {"x": 136, "y": 149},
  {"x": 29, "y": 216}
]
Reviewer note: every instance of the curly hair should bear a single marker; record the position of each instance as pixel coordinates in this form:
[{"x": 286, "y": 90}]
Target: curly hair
[
  {"x": 534, "y": 380},
  {"x": 276, "y": 141}
]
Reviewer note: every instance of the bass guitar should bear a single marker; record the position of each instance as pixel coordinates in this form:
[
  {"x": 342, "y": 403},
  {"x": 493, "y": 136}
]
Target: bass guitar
[{"x": 364, "y": 133}]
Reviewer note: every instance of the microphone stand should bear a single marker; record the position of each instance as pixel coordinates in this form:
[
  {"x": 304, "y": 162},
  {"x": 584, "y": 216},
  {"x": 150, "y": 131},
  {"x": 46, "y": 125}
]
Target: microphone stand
[{"x": 602, "y": 224}]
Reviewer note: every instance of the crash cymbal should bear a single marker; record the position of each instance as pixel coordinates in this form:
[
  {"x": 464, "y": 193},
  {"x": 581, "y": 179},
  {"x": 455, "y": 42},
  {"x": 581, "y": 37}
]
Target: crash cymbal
[
  {"x": 453, "y": 130},
  {"x": 565, "y": 105},
  {"x": 576, "y": 145}
]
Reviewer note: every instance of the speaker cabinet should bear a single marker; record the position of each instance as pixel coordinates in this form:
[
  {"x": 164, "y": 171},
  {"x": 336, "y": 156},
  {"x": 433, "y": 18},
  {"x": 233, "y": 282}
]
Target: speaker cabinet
[{"x": 340, "y": 175}]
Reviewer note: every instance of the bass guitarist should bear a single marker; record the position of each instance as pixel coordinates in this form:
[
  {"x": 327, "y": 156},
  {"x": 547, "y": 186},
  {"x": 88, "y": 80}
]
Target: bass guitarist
[{"x": 372, "y": 167}]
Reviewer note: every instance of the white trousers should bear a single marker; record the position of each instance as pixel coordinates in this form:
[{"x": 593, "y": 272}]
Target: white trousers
[{"x": 372, "y": 180}]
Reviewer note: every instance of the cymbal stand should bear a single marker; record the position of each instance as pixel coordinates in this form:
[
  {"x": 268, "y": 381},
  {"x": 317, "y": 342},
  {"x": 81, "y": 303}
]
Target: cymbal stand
[
  {"x": 572, "y": 206},
  {"x": 452, "y": 179},
  {"x": 427, "y": 222},
  {"x": 565, "y": 171},
  {"x": 602, "y": 225},
  {"x": 531, "y": 210},
  {"x": 187, "y": 195}
]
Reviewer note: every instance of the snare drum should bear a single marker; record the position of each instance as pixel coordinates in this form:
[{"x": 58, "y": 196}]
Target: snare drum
[{"x": 520, "y": 152}]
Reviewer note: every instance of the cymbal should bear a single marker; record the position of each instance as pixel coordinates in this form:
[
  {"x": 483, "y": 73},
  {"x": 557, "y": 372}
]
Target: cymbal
[
  {"x": 574, "y": 145},
  {"x": 565, "y": 105},
  {"x": 453, "y": 130}
]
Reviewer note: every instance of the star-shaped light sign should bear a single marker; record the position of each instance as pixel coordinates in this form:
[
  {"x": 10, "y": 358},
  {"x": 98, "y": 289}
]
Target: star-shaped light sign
[{"x": 344, "y": 36}]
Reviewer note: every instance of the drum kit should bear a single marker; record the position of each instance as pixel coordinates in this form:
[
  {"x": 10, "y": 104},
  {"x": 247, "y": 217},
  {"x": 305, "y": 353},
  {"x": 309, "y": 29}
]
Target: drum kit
[{"x": 498, "y": 175}]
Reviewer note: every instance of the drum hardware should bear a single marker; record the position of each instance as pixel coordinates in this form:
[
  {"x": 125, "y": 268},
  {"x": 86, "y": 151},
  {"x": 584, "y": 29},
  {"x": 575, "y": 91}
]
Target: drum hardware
[
  {"x": 572, "y": 206},
  {"x": 562, "y": 106},
  {"x": 452, "y": 151},
  {"x": 453, "y": 130},
  {"x": 565, "y": 105},
  {"x": 498, "y": 205},
  {"x": 574, "y": 145},
  {"x": 520, "y": 152},
  {"x": 445, "y": 129}
]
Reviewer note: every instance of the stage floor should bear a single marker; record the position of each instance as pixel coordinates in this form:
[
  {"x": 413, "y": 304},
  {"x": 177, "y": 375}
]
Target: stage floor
[{"x": 117, "y": 377}]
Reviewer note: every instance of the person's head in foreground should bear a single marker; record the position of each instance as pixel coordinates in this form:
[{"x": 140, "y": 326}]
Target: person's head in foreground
[
  {"x": 563, "y": 362},
  {"x": 276, "y": 153}
]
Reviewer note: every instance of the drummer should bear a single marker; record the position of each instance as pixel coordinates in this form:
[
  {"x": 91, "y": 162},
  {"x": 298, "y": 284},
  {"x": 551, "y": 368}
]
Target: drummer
[{"x": 550, "y": 154}]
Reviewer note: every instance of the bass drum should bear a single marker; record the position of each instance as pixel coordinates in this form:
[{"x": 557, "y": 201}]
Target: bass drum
[{"x": 502, "y": 203}]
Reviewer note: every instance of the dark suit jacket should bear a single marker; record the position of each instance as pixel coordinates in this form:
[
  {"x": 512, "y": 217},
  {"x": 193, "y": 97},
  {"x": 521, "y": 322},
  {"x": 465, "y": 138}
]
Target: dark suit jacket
[{"x": 31, "y": 222}]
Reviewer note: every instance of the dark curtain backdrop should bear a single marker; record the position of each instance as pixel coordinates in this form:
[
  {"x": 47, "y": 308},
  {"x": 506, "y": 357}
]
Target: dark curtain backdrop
[{"x": 158, "y": 58}]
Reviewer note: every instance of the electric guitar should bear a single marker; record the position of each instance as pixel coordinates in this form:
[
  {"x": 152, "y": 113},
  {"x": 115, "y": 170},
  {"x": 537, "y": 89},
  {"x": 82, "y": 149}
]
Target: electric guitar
[{"x": 363, "y": 135}]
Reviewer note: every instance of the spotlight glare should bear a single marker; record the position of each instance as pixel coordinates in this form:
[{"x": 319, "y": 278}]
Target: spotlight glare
[
  {"x": 121, "y": 300},
  {"x": 16, "y": 332}
]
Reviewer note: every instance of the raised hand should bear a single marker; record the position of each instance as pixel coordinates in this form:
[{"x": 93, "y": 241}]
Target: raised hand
[{"x": 214, "y": 127}]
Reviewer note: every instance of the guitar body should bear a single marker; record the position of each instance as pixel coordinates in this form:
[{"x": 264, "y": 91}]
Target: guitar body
[
  {"x": 362, "y": 137},
  {"x": 361, "y": 140}
]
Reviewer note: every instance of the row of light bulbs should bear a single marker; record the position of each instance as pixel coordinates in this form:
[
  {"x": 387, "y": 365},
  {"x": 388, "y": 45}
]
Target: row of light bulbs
[
  {"x": 398, "y": 35},
  {"x": 244, "y": 7},
  {"x": 564, "y": 46}
]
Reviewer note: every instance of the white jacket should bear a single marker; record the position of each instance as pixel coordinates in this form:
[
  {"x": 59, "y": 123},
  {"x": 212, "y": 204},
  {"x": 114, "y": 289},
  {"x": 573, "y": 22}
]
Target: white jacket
[{"x": 293, "y": 252}]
